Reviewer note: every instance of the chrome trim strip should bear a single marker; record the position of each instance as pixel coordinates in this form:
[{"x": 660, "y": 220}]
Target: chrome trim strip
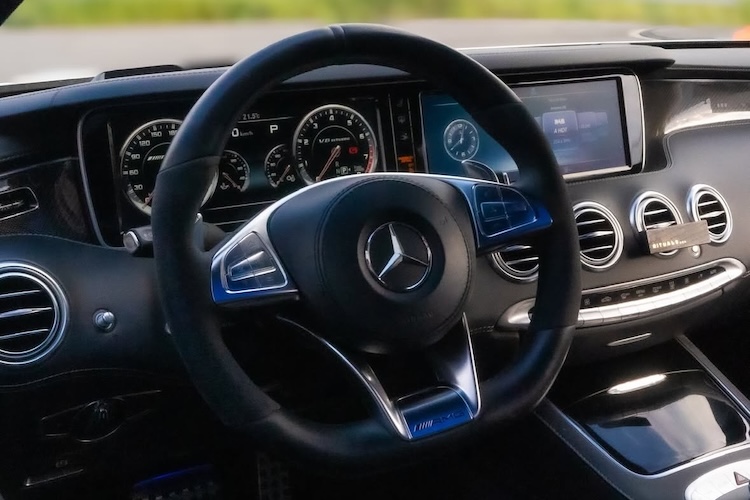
[
  {"x": 629, "y": 340},
  {"x": 517, "y": 315},
  {"x": 32, "y": 207},
  {"x": 85, "y": 179},
  {"x": 705, "y": 119},
  {"x": 730, "y": 389},
  {"x": 23, "y": 293},
  {"x": 27, "y": 333},
  {"x": 241, "y": 205},
  {"x": 693, "y": 206},
  {"x": 24, "y": 311}
]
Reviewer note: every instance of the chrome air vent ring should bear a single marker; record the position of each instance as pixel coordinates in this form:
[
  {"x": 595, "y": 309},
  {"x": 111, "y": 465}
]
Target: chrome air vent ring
[
  {"x": 652, "y": 210},
  {"x": 33, "y": 314},
  {"x": 600, "y": 235},
  {"x": 706, "y": 203},
  {"x": 518, "y": 262}
]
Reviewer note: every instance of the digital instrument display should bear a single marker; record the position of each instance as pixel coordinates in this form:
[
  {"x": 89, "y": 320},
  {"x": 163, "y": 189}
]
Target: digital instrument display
[
  {"x": 270, "y": 152},
  {"x": 582, "y": 120}
]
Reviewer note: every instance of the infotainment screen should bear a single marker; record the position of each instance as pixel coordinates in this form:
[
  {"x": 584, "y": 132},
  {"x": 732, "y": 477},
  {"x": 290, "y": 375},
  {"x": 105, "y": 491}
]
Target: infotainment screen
[{"x": 582, "y": 120}]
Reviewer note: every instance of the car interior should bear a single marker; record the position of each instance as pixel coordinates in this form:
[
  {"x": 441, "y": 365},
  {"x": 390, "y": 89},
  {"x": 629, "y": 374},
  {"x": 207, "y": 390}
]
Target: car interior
[{"x": 361, "y": 264}]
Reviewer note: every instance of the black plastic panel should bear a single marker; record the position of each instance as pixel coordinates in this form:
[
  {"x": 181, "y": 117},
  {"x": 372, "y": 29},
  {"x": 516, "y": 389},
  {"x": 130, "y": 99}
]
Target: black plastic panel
[
  {"x": 60, "y": 204},
  {"x": 651, "y": 411},
  {"x": 681, "y": 417}
]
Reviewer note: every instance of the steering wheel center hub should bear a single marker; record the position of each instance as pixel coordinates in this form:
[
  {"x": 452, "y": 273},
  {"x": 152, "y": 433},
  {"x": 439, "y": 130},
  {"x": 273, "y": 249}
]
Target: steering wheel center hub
[
  {"x": 391, "y": 263},
  {"x": 398, "y": 256}
]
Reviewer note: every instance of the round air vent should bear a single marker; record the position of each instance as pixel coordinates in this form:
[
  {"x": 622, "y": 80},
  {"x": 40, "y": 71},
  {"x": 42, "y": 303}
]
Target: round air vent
[
  {"x": 517, "y": 262},
  {"x": 33, "y": 314},
  {"x": 706, "y": 203},
  {"x": 599, "y": 234},
  {"x": 653, "y": 210}
]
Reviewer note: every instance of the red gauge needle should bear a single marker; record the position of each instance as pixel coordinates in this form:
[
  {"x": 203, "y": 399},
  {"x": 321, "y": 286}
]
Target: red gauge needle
[
  {"x": 231, "y": 181},
  {"x": 335, "y": 153},
  {"x": 149, "y": 199}
]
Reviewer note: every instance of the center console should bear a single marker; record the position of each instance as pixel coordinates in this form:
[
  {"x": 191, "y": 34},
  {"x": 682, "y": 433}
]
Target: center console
[{"x": 664, "y": 423}]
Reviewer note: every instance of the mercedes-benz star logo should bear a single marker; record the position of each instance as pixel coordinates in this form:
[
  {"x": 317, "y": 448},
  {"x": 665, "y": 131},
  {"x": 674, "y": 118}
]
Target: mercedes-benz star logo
[{"x": 398, "y": 256}]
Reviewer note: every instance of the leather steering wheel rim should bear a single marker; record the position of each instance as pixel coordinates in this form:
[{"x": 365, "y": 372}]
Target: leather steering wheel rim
[{"x": 183, "y": 271}]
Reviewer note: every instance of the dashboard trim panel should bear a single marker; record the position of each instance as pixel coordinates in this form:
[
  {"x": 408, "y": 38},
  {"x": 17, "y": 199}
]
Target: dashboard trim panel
[{"x": 518, "y": 315}]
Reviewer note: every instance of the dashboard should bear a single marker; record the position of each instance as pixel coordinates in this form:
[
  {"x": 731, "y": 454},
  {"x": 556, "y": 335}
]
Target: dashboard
[
  {"x": 620, "y": 136},
  {"x": 645, "y": 142}
]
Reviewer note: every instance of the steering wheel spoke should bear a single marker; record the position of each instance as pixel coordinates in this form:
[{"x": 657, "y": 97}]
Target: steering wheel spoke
[
  {"x": 246, "y": 270},
  {"x": 500, "y": 213},
  {"x": 453, "y": 400}
]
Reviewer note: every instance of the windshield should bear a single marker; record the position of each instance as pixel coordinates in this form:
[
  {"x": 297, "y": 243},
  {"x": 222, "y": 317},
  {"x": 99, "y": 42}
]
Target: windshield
[{"x": 62, "y": 39}]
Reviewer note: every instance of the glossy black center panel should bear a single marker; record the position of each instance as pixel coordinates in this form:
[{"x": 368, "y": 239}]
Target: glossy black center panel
[
  {"x": 655, "y": 411},
  {"x": 682, "y": 416}
]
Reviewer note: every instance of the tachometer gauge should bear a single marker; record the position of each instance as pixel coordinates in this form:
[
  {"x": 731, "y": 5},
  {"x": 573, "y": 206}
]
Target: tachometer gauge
[
  {"x": 279, "y": 167},
  {"x": 234, "y": 173},
  {"x": 461, "y": 140},
  {"x": 141, "y": 158},
  {"x": 333, "y": 141}
]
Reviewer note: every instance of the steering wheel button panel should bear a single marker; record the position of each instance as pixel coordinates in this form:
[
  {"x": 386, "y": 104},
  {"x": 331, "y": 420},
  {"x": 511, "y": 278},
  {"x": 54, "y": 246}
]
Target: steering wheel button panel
[
  {"x": 249, "y": 266},
  {"x": 246, "y": 269},
  {"x": 501, "y": 209}
]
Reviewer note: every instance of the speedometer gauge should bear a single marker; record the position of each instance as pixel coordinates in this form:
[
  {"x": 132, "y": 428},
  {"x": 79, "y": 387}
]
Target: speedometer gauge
[
  {"x": 141, "y": 158},
  {"x": 333, "y": 141}
]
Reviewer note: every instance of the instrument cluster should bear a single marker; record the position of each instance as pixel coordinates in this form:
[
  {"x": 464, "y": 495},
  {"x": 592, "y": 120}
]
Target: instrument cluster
[{"x": 269, "y": 153}]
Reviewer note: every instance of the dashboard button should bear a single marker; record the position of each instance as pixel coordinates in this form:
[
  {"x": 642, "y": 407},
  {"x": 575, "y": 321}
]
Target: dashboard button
[
  {"x": 686, "y": 281},
  {"x": 606, "y": 299},
  {"x": 591, "y": 317},
  {"x": 610, "y": 314},
  {"x": 629, "y": 312}
]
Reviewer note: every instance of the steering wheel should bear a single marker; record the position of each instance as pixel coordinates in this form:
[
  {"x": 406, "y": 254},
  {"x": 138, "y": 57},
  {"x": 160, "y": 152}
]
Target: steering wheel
[{"x": 384, "y": 263}]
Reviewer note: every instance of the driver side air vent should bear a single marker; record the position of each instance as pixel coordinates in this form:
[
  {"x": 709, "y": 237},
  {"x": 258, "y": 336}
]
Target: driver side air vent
[
  {"x": 706, "y": 203},
  {"x": 518, "y": 262},
  {"x": 33, "y": 314},
  {"x": 653, "y": 210},
  {"x": 600, "y": 236}
]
